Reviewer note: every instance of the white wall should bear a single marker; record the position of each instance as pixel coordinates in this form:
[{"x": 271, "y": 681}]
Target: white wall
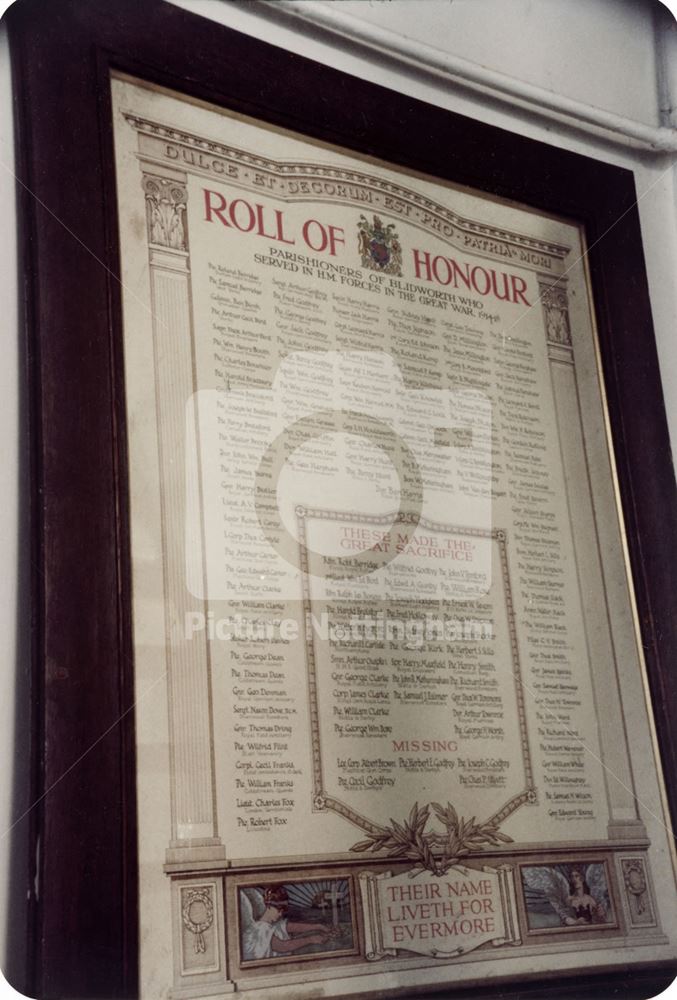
[
  {"x": 592, "y": 76},
  {"x": 571, "y": 47}
]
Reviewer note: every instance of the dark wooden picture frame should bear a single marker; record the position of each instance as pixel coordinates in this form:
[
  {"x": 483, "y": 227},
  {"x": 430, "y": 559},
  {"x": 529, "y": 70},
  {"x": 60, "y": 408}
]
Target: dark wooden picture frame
[{"x": 83, "y": 927}]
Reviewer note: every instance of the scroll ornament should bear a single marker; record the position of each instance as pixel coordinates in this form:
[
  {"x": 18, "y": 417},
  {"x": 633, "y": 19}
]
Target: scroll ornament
[{"x": 195, "y": 898}]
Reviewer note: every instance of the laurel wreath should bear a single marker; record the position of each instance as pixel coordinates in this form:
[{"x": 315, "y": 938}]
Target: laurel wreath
[
  {"x": 433, "y": 851},
  {"x": 198, "y": 927}
]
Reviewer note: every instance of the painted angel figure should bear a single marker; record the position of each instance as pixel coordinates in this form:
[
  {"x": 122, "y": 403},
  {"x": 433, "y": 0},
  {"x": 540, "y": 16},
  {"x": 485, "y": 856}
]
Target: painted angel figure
[
  {"x": 266, "y": 931},
  {"x": 577, "y": 894}
]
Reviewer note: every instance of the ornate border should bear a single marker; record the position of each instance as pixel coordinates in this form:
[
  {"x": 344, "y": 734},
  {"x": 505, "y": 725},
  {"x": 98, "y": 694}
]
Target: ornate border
[
  {"x": 302, "y": 181},
  {"x": 321, "y": 800}
]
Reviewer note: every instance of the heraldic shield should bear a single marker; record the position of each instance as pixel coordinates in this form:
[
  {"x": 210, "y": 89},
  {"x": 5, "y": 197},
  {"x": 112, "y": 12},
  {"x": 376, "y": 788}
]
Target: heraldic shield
[{"x": 379, "y": 245}]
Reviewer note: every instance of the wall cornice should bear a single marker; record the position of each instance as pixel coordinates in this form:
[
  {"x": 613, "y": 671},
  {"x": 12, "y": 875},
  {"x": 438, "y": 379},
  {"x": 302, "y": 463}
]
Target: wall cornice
[{"x": 426, "y": 61}]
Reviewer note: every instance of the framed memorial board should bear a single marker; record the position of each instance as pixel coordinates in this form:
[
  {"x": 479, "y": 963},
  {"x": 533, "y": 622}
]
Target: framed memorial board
[{"x": 354, "y": 535}]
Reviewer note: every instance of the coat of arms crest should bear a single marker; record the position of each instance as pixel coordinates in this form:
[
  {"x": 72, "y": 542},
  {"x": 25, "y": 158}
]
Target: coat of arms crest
[{"x": 379, "y": 245}]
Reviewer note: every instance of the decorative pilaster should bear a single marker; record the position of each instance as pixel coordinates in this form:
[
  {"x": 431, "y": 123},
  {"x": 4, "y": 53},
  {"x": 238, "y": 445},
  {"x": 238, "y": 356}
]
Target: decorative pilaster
[
  {"x": 624, "y": 820},
  {"x": 194, "y": 825}
]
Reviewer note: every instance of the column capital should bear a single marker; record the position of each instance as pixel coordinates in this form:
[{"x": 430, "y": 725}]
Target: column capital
[
  {"x": 165, "y": 211},
  {"x": 553, "y": 296}
]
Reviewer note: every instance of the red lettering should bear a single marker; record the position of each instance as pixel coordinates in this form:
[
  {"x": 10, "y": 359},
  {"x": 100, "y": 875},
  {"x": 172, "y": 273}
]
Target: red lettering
[
  {"x": 322, "y": 236},
  {"x": 212, "y": 210},
  {"x": 280, "y": 234},
  {"x": 324, "y": 239},
  {"x": 251, "y": 216},
  {"x": 261, "y": 226},
  {"x": 436, "y": 273},
  {"x": 447, "y": 271},
  {"x": 243, "y": 216},
  {"x": 334, "y": 239},
  {"x": 422, "y": 259},
  {"x": 458, "y": 273},
  {"x": 506, "y": 287},
  {"x": 487, "y": 279},
  {"x": 518, "y": 292},
  {"x": 471, "y": 906}
]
